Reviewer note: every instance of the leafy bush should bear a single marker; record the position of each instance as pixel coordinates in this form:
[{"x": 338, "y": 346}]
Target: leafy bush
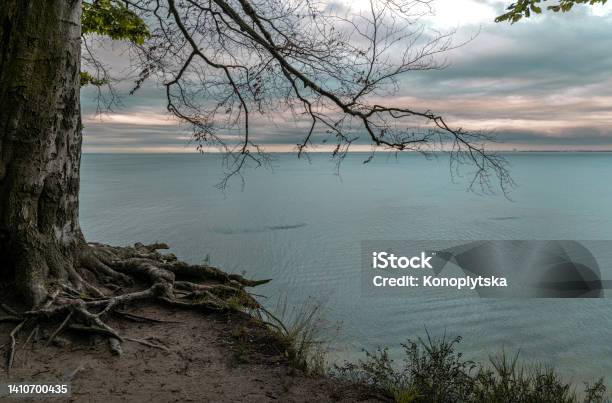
[{"x": 433, "y": 371}]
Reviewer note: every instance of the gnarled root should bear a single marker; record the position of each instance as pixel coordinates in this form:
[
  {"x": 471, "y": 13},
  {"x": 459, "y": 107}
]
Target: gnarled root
[{"x": 127, "y": 275}]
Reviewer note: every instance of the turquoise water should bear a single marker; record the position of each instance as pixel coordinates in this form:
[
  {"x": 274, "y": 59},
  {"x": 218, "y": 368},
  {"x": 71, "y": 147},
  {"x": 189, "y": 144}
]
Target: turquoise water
[{"x": 301, "y": 224}]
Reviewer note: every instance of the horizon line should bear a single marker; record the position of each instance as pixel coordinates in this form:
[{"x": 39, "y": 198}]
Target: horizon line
[{"x": 349, "y": 152}]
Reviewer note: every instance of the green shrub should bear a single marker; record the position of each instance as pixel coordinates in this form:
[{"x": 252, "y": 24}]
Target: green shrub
[{"x": 433, "y": 371}]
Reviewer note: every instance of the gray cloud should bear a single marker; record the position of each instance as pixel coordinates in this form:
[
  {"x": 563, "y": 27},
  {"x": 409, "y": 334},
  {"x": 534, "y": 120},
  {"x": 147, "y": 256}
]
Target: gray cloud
[
  {"x": 532, "y": 57},
  {"x": 542, "y": 82}
]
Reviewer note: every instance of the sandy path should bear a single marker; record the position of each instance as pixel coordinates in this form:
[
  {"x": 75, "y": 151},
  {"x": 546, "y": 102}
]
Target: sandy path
[{"x": 211, "y": 358}]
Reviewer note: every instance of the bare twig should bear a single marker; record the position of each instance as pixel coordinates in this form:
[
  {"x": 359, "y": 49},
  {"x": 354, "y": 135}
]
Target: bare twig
[
  {"x": 8, "y": 309},
  {"x": 147, "y": 343},
  {"x": 11, "y": 352}
]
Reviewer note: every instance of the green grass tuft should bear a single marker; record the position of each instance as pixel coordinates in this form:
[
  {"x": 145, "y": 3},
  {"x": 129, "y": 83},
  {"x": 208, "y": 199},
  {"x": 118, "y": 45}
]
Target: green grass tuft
[{"x": 301, "y": 331}]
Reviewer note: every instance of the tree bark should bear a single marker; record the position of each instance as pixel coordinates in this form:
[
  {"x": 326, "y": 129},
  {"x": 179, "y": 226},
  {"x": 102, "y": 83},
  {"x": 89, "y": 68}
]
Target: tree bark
[{"x": 40, "y": 145}]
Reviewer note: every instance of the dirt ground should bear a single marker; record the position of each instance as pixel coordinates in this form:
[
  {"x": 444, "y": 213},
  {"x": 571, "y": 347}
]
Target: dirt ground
[{"x": 210, "y": 358}]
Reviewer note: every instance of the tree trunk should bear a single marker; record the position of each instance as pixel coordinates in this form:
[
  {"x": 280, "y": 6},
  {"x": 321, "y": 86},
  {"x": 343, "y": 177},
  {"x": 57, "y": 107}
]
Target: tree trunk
[{"x": 40, "y": 145}]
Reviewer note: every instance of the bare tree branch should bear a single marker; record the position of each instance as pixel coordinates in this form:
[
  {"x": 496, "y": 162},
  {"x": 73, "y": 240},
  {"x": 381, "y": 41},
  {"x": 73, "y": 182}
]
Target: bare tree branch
[{"x": 223, "y": 61}]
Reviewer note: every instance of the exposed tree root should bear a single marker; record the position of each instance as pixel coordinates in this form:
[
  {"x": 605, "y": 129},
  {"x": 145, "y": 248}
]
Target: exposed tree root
[
  {"x": 124, "y": 276},
  {"x": 140, "y": 318},
  {"x": 60, "y": 328}
]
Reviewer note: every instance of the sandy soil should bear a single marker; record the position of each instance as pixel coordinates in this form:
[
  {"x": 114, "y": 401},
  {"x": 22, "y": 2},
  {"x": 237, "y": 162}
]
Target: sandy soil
[{"x": 211, "y": 358}]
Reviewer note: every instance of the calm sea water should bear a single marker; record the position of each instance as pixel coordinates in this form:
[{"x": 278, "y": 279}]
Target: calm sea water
[{"x": 301, "y": 224}]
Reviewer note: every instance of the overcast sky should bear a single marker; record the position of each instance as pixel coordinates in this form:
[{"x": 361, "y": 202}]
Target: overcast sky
[{"x": 541, "y": 84}]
